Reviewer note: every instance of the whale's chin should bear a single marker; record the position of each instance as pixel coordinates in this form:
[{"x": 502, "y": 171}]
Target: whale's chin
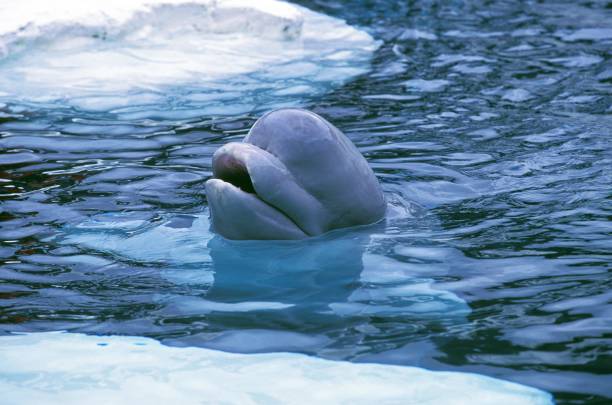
[{"x": 246, "y": 215}]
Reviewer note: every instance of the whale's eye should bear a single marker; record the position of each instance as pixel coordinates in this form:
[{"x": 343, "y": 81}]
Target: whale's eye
[{"x": 233, "y": 171}]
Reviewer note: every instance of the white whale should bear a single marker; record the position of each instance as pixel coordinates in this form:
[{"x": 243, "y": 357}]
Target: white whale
[{"x": 294, "y": 175}]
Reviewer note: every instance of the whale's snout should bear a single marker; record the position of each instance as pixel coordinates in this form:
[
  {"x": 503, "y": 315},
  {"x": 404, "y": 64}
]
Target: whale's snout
[{"x": 295, "y": 175}]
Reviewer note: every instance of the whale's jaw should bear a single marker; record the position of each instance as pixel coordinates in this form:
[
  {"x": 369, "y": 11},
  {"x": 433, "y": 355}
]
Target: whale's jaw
[{"x": 237, "y": 214}]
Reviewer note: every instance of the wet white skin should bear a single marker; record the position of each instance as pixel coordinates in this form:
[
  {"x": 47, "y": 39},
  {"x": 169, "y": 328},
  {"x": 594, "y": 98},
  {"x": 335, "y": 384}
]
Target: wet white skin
[{"x": 294, "y": 175}]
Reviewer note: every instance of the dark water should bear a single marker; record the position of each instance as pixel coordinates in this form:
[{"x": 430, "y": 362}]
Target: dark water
[{"x": 489, "y": 125}]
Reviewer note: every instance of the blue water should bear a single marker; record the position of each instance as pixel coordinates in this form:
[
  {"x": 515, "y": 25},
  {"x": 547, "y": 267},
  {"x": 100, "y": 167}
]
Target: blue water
[{"x": 489, "y": 126}]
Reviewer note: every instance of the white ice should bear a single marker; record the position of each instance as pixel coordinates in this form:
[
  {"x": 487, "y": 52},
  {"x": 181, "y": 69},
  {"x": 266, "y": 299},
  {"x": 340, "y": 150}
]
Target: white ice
[
  {"x": 99, "y": 54},
  {"x": 64, "y": 368}
]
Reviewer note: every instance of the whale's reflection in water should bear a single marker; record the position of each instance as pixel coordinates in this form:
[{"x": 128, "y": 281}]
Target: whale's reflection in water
[{"x": 254, "y": 296}]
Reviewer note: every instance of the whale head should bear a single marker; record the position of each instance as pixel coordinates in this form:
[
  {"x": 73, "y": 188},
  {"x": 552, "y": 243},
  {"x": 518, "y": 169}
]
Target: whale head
[{"x": 294, "y": 175}]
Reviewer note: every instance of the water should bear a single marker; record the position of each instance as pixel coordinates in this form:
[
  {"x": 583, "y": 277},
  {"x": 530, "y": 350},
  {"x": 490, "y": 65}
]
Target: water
[{"x": 488, "y": 124}]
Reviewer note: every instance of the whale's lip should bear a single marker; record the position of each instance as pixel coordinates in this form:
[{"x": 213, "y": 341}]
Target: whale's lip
[
  {"x": 223, "y": 184},
  {"x": 250, "y": 216}
]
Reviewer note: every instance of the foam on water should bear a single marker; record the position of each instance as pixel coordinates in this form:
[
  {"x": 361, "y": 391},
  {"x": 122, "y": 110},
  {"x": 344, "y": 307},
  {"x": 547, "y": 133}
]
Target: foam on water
[
  {"x": 65, "y": 368},
  {"x": 198, "y": 55}
]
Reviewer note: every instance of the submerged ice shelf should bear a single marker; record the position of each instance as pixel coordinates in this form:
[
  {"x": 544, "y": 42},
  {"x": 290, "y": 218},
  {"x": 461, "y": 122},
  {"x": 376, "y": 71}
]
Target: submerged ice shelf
[
  {"x": 337, "y": 274},
  {"x": 199, "y": 56},
  {"x": 64, "y": 368}
]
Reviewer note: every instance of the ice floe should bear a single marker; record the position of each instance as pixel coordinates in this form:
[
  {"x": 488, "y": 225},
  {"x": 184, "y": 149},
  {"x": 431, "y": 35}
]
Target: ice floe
[{"x": 65, "y": 368}]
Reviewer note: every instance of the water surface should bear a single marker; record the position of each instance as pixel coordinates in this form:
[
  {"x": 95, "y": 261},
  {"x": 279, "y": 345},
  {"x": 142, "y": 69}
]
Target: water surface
[{"x": 489, "y": 126}]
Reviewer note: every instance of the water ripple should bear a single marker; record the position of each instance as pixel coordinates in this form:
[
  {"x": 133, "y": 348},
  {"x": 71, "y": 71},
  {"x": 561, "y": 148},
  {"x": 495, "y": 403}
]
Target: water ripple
[{"x": 489, "y": 127}]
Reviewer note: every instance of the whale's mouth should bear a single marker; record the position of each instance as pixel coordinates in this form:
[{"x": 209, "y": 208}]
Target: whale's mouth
[
  {"x": 232, "y": 170},
  {"x": 231, "y": 167},
  {"x": 242, "y": 194}
]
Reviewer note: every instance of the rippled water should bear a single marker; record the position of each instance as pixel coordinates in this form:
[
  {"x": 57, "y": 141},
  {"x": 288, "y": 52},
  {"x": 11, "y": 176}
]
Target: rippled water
[{"x": 488, "y": 124}]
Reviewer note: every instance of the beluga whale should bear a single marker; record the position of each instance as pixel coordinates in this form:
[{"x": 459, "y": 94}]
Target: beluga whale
[{"x": 294, "y": 176}]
